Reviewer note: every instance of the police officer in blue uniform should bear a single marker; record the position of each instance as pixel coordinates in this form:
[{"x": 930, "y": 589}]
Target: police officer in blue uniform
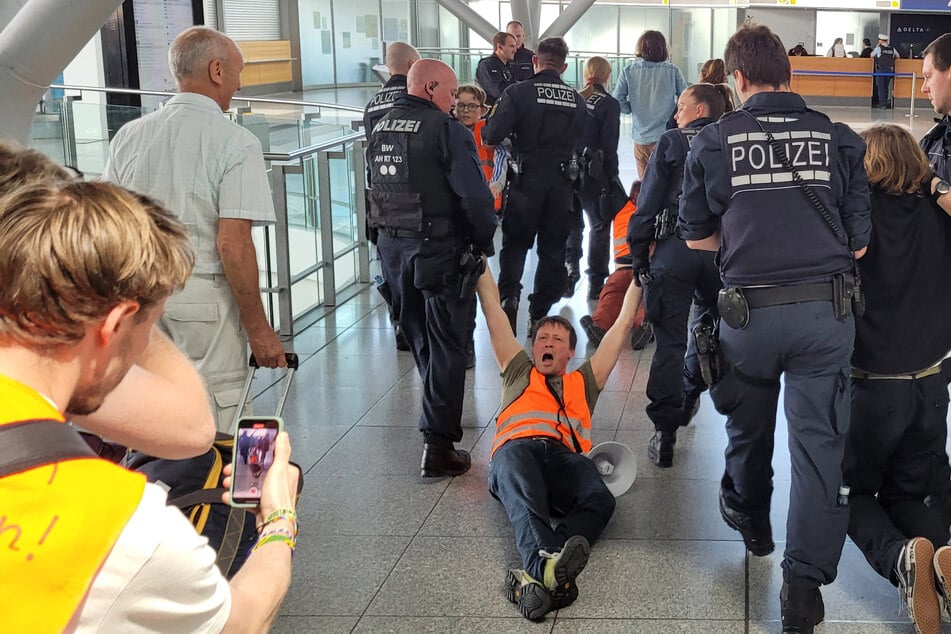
[
  {"x": 522, "y": 65},
  {"x": 786, "y": 306},
  {"x": 435, "y": 216},
  {"x": 545, "y": 119},
  {"x": 936, "y": 68},
  {"x": 494, "y": 73},
  {"x": 676, "y": 275},
  {"x": 884, "y": 56}
]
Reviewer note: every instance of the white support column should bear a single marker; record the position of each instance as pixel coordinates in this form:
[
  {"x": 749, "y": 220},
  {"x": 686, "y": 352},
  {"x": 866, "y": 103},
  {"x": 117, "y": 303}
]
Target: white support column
[
  {"x": 35, "y": 46},
  {"x": 521, "y": 11},
  {"x": 567, "y": 19},
  {"x": 470, "y": 18}
]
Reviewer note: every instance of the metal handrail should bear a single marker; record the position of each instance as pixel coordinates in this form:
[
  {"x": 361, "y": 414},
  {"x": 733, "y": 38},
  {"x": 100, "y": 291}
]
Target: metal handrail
[
  {"x": 313, "y": 149},
  {"x": 159, "y": 93}
]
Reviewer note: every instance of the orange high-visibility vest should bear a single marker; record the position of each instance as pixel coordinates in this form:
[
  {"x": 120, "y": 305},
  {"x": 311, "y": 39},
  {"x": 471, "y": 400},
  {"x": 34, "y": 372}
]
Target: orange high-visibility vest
[
  {"x": 536, "y": 413},
  {"x": 58, "y": 523},
  {"x": 621, "y": 249},
  {"x": 486, "y": 157}
]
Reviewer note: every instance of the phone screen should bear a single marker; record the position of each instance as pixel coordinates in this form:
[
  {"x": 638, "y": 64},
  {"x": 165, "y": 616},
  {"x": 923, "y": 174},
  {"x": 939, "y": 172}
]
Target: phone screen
[{"x": 253, "y": 456}]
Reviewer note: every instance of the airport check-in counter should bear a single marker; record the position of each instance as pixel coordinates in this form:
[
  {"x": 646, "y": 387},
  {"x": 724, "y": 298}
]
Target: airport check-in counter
[{"x": 847, "y": 89}]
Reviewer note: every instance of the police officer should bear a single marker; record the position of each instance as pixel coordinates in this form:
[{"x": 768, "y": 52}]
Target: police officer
[
  {"x": 434, "y": 212},
  {"x": 545, "y": 118},
  {"x": 936, "y": 69},
  {"x": 884, "y": 56},
  {"x": 399, "y": 57},
  {"x": 786, "y": 306},
  {"x": 494, "y": 73},
  {"x": 676, "y": 275},
  {"x": 522, "y": 66}
]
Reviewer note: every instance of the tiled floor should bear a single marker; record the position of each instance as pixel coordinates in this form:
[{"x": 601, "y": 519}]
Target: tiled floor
[{"x": 382, "y": 550}]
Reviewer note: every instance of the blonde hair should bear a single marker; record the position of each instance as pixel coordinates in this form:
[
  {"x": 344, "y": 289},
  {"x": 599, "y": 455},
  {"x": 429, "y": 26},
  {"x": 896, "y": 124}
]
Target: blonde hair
[
  {"x": 597, "y": 69},
  {"x": 474, "y": 90},
  {"x": 893, "y": 160},
  {"x": 71, "y": 252},
  {"x": 21, "y": 166}
]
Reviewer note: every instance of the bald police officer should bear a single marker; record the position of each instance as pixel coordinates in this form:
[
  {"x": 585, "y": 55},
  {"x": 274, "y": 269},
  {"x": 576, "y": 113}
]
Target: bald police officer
[
  {"x": 545, "y": 119},
  {"x": 435, "y": 216},
  {"x": 400, "y": 56},
  {"x": 786, "y": 306}
]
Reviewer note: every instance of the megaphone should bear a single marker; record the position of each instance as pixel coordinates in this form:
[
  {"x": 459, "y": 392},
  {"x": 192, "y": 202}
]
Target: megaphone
[{"x": 616, "y": 464}]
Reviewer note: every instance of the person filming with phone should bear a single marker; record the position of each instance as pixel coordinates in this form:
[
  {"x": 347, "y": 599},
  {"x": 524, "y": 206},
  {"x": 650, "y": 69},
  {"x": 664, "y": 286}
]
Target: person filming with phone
[{"x": 88, "y": 546}]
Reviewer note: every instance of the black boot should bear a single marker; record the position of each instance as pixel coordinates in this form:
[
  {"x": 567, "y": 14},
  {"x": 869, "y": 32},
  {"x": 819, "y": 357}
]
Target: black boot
[
  {"x": 802, "y": 607},
  {"x": 574, "y": 276},
  {"x": 660, "y": 448},
  {"x": 510, "y": 307},
  {"x": 439, "y": 461}
]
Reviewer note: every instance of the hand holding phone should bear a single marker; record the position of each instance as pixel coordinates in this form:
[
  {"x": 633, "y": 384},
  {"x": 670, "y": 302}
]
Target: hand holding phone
[{"x": 254, "y": 447}]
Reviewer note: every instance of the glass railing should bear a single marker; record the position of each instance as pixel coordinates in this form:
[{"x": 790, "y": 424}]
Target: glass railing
[{"x": 317, "y": 253}]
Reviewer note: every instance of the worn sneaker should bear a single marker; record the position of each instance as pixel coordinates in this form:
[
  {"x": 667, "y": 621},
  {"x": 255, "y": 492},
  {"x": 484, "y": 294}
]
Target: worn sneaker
[
  {"x": 595, "y": 333},
  {"x": 942, "y": 572},
  {"x": 563, "y": 568},
  {"x": 534, "y": 601},
  {"x": 642, "y": 335},
  {"x": 915, "y": 573}
]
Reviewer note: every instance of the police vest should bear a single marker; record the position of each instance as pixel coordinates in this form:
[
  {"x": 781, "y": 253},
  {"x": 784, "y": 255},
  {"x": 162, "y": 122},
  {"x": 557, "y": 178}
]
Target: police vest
[
  {"x": 622, "y": 251},
  {"x": 536, "y": 412},
  {"x": 771, "y": 233},
  {"x": 383, "y": 100},
  {"x": 886, "y": 59},
  {"x": 522, "y": 66},
  {"x": 409, "y": 190},
  {"x": 935, "y": 146},
  {"x": 551, "y": 120},
  {"x": 676, "y": 184},
  {"x": 58, "y": 523},
  {"x": 486, "y": 158}
]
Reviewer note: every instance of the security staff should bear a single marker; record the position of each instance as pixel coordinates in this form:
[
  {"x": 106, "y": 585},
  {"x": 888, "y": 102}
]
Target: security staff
[
  {"x": 433, "y": 209},
  {"x": 786, "y": 308},
  {"x": 522, "y": 66},
  {"x": 676, "y": 275},
  {"x": 399, "y": 57},
  {"x": 494, "y": 73},
  {"x": 545, "y": 118},
  {"x": 884, "y": 56}
]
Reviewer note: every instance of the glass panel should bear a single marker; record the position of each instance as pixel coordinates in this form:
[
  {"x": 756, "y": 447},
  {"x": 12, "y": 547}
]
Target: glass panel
[
  {"x": 396, "y": 20},
  {"x": 449, "y": 31},
  {"x": 345, "y": 271},
  {"x": 356, "y": 26},
  {"x": 635, "y": 20},
  {"x": 690, "y": 40},
  {"x": 596, "y": 31},
  {"x": 316, "y": 42},
  {"x": 851, "y": 26},
  {"x": 427, "y": 23},
  {"x": 724, "y": 26},
  {"x": 307, "y": 294}
]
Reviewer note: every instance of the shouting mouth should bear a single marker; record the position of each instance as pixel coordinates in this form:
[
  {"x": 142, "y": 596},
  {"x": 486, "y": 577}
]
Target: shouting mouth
[{"x": 548, "y": 357}]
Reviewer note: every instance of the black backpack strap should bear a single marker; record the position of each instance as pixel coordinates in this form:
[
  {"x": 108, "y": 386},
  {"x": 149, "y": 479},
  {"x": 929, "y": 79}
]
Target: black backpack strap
[
  {"x": 231, "y": 540},
  {"x": 201, "y": 496},
  {"x": 28, "y": 444}
]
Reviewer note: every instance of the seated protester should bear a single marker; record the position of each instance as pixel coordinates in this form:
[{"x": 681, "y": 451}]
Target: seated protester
[
  {"x": 469, "y": 110},
  {"x": 612, "y": 295},
  {"x": 87, "y": 269},
  {"x": 536, "y": 464},
  {"x": 895, "y": 458}
]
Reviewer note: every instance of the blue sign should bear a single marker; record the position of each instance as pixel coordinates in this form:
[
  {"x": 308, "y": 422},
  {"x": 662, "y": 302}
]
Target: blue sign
[{"x": 926, "y": 5}]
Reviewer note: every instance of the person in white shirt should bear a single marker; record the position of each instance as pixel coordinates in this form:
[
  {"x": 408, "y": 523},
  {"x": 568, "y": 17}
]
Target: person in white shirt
[{"x": 837, "y": 49}]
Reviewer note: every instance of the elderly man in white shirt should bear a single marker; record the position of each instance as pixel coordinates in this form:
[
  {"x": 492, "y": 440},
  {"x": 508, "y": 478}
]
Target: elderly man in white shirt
[{"x": 210, "y": 173}]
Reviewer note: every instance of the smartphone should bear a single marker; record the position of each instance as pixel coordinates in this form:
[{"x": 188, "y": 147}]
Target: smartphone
[{"x": 253, "y": 456}]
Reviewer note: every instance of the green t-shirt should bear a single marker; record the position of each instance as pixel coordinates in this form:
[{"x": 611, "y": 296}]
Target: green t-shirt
[{"x": 516, "y": 377}]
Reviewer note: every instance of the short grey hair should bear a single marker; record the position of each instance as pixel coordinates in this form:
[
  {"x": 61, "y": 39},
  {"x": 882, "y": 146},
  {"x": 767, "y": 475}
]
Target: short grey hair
[{"x": 194, "y": 49}]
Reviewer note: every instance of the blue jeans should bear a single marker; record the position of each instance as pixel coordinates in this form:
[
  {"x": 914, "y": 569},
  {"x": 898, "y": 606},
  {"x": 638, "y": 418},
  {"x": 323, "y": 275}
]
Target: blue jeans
[{"x": 534, "y": 478}]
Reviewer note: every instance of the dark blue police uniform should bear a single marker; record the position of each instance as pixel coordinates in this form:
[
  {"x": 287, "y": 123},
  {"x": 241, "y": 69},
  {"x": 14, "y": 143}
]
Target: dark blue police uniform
[
  {"x": 600, "y": 139},
  {"x": 771, "y": 236},
  {"x": 937, "y": 146},
  {"x": 885, "y": 69},
  {"x": 382, "y": 101},
  {"x": 522, "y": 66},
  {"x": 545, "y": 118},
  {"x": 679, "y": 275},
  {"x": 430, "y": 202},
  {"x": 494, "y": 76}
]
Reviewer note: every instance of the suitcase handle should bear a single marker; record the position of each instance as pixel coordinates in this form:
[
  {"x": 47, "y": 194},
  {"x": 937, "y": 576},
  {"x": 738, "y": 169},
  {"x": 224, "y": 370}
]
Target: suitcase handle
[
  {"x": 292, "y": 364},
  {"x": 290, "y": 357}
]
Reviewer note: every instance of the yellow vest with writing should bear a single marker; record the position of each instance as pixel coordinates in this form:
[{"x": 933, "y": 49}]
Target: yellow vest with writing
[{"x": 58, "y": 523}]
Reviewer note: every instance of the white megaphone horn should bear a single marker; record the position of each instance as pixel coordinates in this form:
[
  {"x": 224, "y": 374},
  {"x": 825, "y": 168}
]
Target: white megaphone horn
[{"x": 616, "y": 464}]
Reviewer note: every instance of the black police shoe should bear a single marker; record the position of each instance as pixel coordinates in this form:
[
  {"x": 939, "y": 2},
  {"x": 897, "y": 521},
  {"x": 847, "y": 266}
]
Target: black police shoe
[
  {"x": 402, "y": 344},
  {"x": 571, "y": 281},
  {"x": 642, "y": 335},
  {"x": 595, "y": 333},
  {"x": 757, "y": 533},
  {"x": 594, "y": 289},
  {"x": 439, "y": 461},
  {"x": 470, "y": 353},
  {"x": 660, "y": 448},
  {"x": 510, "y": 308},
  {"x": 802, "y": 608},
  {"x": 691, "y": 407}
]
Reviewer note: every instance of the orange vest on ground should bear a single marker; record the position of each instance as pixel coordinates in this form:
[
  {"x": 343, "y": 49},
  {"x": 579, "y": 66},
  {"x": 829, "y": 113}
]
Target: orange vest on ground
[
  {"x": 536, "y": 413},
  {"x": 58, "y": 523},
  {"x": 621, "y": 249},
  {"x": 486, "y": 158}
]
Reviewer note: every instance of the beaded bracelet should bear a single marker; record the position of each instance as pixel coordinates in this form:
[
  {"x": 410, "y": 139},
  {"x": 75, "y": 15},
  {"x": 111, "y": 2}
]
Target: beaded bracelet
[
  {"x": 276, "y": 538},
  {"x": 287, "y": 514},
  {"x": 261, "y": 527},
  {"x": 276, "y": 531}
]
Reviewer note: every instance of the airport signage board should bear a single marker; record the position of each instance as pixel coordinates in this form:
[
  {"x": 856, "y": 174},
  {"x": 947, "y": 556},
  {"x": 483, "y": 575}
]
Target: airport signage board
[{"x": 926, "y": 5}]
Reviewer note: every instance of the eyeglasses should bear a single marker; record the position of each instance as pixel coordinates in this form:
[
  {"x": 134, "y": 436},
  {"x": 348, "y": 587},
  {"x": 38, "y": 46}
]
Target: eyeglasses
[{"x": 465, "y": 107}]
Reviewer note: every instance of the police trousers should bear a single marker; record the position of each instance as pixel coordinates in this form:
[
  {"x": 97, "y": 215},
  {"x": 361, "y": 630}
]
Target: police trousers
[
  {"x": 599, "y": 244},
  {"x": 538, "y": 205},
  {"x": 436, "y": 325},
  {"x": 812, "y": 350},
  {"x": 897, "y": 466},
  {"x": 534, "y": 479},
  {"x": 680, "y": 276},
  {"x": 203, "y": 321}
]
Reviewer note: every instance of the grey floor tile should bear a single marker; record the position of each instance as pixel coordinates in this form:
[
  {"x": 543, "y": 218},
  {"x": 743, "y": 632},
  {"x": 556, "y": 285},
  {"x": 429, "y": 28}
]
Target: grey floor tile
[
  {"x": 660, "y": 579},
  {"x": 634, "y": 417},
  {"x": 857, "y": 595},
  {"x": 842, "y": 627},
  {"x": 645, "y": 626},
  {"x": 445, "y": 625},
  {"x": 317, "y": 405},
  {"x": 698, "y": 454},
  {"x": 315, "y": 624},
  {"x": 449, "y": 576},
  {"x": 310, "y": 443},
  {"x": 369, "y": 504},
  {"x": 381, "y": 451},
  {"x": 607, "y": 412},
  {"x": 402, "y": 406},
  {"x": 468, "y": 509},
  {"x": 315, "y": 337},
  {"x": 374, "y": 342},
  {"x": 337, "y": 575}
]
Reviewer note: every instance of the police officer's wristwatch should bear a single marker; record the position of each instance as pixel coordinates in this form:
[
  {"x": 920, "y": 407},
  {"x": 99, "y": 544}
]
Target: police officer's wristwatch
[{"x": 940, "y": 189}]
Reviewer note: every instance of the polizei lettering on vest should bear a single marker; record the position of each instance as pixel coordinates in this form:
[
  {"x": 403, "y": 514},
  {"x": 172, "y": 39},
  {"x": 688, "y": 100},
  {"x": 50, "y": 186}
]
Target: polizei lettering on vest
[
  {"x": 556, "y": 94},
  {"x": 753, "y": 161},
  {"x": 397, "y": 125}
]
